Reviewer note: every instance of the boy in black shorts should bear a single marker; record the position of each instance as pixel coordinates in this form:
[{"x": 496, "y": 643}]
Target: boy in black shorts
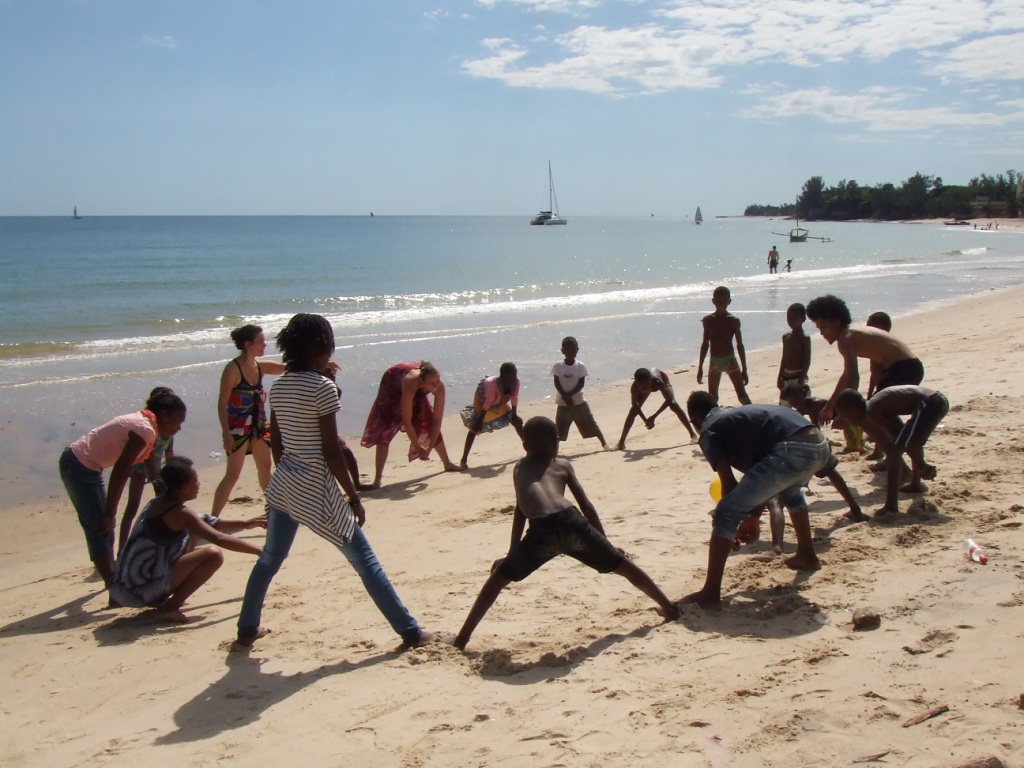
[
  {"x": 556, "y": 527},
  {"x": 880, "y": 418}
]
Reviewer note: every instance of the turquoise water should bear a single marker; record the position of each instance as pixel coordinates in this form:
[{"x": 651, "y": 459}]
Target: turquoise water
[{"x": 96, "y": 312}]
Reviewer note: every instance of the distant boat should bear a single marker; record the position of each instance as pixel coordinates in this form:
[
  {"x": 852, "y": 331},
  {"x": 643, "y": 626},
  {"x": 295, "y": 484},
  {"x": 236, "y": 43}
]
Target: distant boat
[
  {"x": 800, "y": 235},
  {"x": 549, "y": 216},
  {"x": 957, "y": 223},
  {"x": 74, "y": 213},
  {"x": 698, "y": 217}
]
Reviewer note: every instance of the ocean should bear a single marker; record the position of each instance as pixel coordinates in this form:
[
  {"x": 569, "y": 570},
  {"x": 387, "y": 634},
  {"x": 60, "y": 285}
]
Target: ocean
[{"x": 97, "y": 311}]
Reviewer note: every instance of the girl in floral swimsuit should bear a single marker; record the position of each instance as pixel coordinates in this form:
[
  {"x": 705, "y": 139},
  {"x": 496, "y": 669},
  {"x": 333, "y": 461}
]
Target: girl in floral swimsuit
[{"x": 241, "y": 409}]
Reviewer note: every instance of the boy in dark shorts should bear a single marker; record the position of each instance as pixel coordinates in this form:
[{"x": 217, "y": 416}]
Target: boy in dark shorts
[
  {"x": 897, "y": 363},
  {"x": 646, "y": 381},
  {"x": 880, "y": 418},
  {"x": 796, "y": 351},
  {"x": 556, "y": 527}
]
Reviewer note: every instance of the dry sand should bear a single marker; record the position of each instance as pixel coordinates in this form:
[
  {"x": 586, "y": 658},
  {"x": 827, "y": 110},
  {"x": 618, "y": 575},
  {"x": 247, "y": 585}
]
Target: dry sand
[{"x": 571, "y": 668}]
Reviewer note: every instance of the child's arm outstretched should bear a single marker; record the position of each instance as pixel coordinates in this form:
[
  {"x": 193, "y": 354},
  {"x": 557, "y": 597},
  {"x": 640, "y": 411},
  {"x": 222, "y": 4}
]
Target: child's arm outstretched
[{"x": 844, "y": 490}]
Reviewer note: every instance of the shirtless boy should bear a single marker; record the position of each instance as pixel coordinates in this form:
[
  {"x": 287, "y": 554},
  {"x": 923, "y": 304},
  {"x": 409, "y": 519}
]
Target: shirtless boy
[
  {"x": 880, "y": 418},
  {"x": 644, "y": 382},
  {"x": 719, "y": 328},
  {"x": 796, "y": 351},
  {"x": 556, "y": 527},
  {"x": 899, "y": 366}
]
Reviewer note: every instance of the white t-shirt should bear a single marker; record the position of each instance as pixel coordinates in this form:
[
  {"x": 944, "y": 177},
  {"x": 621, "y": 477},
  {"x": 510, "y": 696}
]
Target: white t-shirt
[
  {"x": 569, "y": 376},
  {"x": 302, "y": 484}
]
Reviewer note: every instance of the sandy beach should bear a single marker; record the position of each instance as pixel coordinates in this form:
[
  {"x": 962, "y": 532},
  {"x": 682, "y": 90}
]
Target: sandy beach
[{"x": 571, "y": 668}]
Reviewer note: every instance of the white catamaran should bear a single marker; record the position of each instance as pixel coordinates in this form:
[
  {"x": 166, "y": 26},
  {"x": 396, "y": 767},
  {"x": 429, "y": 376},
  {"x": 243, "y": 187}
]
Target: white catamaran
[{"x": 549, "y": 216}]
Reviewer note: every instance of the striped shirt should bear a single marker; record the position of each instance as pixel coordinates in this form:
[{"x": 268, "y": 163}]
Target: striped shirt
[{"x": 302, "y": 484}]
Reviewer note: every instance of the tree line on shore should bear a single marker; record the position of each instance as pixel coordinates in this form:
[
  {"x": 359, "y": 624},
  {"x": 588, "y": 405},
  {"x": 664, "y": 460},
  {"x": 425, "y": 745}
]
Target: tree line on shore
[{"x": 919, "y": 197}]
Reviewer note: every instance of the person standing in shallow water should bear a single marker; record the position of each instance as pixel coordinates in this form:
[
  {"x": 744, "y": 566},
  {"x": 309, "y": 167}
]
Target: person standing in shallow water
[
  {"x": 305, "y": 484},
  {"x": 401, "y": 405},
  {"x": 241, "y": 410},
  {"x": 773, "y": 261}
]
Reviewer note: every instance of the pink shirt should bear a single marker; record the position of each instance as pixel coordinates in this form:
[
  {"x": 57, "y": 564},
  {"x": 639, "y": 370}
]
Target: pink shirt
[
  {"x": 492, "y": 394},
  {"x": 102, "y": 447}
]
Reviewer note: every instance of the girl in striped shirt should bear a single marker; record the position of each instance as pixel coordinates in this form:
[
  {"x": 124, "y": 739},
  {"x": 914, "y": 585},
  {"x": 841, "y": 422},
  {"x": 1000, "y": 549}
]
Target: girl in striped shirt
[{"x": 309, "y": 465}]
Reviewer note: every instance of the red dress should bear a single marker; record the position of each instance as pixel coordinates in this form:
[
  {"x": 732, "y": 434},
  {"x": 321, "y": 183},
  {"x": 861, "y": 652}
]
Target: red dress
[{"x": 385, "y": 419}]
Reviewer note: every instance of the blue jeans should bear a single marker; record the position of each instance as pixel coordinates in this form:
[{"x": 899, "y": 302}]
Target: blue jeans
[
  {"x": 783, "y": 472},
  {"x": 281, "y": 530},
  {"x": 89, "y": 498}
]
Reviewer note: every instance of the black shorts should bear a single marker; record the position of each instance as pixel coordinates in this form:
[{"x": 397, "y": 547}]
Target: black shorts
[
  {"x": 903, "y": 372},
  {"x": 922, "y": 422},
  {"x": 562, "y": 533}
]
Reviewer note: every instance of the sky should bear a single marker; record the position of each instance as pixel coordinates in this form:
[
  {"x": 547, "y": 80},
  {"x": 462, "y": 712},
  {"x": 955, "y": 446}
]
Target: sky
[{"x": 455, "y": 107}]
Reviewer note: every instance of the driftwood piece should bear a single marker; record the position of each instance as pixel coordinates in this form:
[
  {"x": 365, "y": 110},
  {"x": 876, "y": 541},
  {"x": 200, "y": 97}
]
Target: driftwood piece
[{"x": 934, "y": 711}]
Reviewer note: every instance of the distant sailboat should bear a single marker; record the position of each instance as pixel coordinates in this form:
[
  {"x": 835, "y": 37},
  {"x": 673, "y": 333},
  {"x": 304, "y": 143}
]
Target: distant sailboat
[
  {"x": 549, "y": 216},
  {"x": 74, "y": 213},
  {"x": 698, "y": 217}
]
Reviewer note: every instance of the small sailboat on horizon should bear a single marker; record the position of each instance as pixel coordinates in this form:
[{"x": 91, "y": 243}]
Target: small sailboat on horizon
[
  {"x": 74, "y": 214},
  {"x": 698, "y": 217},
  {"x": 550, "y": 216}
]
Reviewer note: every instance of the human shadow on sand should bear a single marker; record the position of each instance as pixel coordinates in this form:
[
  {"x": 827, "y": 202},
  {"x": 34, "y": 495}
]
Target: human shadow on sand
[
  {"x": 499, "y": 664},
  {"x": 130, "y": 627},
  {"x": 212, "y": 712},
  {"x": 639, "y": 454},
  {"x": 70, "y": 615},
  {"x": 778, "y": 611}
]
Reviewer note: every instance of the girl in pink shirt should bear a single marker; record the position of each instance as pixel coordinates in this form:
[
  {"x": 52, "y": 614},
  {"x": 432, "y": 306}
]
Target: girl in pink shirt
[{"x": 118, "y": 444}]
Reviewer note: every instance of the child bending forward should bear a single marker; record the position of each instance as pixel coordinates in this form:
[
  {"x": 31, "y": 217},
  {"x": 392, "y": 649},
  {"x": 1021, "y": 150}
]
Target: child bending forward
[{"x": 556, "y": 527}]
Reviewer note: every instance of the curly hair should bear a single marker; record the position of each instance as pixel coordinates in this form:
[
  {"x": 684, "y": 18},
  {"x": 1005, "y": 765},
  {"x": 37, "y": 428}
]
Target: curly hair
[
  {"x": 303, "y": 340},
  {"x": 829, "y": 307}
]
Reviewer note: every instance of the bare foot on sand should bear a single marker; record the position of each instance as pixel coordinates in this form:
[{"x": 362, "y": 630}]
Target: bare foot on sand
[
  {"x": 705, "y": 601},
  {"x": 619, "y": 447},
  {"x": 668, "y": 613},
  {"x": 879, "y": 466},
  {"x": 929, "y": 472},
  {"x": 802, "y": 563},
  {"x": 424, "y": 638},
  {"x": 913, "y": 488},
  {"x": 246, "y": 642},
  {"x": 855, "y": 515},
  {"x": 172, "y": 615},
  {"x": 450, "y": 467}
]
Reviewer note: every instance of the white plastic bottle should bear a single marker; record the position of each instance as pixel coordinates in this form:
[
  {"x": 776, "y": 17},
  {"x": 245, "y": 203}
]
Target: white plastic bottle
[{"x": 973, "y": 551}]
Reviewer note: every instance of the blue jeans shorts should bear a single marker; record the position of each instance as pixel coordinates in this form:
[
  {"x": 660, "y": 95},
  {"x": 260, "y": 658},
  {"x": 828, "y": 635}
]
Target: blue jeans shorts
[{"x": 782, "y": 472}]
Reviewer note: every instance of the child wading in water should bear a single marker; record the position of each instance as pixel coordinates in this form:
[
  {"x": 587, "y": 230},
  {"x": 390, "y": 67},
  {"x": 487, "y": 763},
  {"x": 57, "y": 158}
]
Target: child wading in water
[
  {"x": 304, "y": 486},
  {"x": 160, "y": 565},
  {"x": 719, "y": 328},
  {"x": 556, "y": 527}
]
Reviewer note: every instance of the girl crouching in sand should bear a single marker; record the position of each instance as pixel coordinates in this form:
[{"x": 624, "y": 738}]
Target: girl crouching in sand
[
  {"x": 159, "y": 565},
  {"x": 304, "y": 487},
  {"x": 117, "y": 445}
]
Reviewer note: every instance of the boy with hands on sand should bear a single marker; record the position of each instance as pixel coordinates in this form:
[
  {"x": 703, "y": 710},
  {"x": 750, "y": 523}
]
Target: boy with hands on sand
[
  {"x": 556, "y": 527},
  {"x": 880, "y": 418}
]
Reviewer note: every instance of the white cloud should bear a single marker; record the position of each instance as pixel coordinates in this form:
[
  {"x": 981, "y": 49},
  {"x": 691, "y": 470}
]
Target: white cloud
[
  {"x": 997, "y": 57},
  {"x": 878, "y": 110},
  {"x": 681, "y": 44},
  {"x": 168, "y": 42}
]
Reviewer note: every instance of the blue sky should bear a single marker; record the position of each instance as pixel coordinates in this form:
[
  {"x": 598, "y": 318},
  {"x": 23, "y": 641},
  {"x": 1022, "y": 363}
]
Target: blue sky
[{"x": 643, "y": 106}]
